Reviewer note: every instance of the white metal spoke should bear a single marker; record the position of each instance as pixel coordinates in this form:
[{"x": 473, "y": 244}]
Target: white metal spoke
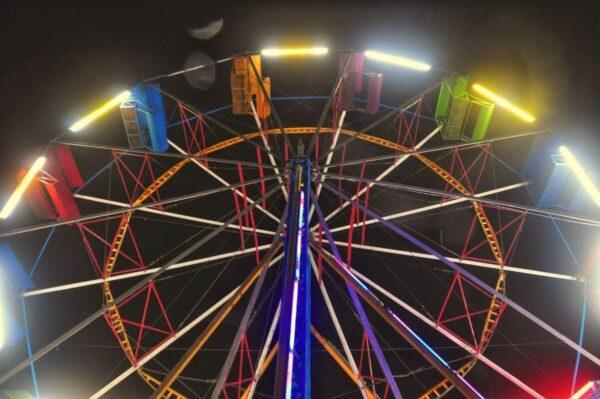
[
  {"x": 224, "y": 182},
  {"x": 263, "y": 353},
  {"x": 266, "y": 144},
  {"x": 163, "y": 346},
  {"x": 450, "y": 336},
  {"x": 124, "y": 276},
  {"x": 334, "y": 141},
  {"x": 174, "y": 215},
  {"x": 444, "y": 332},
  {"x": 383, "y": 174},
  {"x": 338, "y": 327},
  {"x": 169, "y": 341},
  {"x": 486, "y": 265},
  {"x": 432, "y": 207}
]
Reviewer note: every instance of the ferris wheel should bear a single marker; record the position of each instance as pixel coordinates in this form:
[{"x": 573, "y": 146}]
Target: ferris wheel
[{"x": 303, "y": 236}]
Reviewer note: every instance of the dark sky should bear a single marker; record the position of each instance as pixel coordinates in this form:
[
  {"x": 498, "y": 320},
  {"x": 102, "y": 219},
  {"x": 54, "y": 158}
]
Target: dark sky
[{"x": 59, "y": 57}]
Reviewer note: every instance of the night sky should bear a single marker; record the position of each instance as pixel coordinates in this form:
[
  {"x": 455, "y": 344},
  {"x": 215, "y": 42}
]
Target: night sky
[{"x": 61, "y": 58}]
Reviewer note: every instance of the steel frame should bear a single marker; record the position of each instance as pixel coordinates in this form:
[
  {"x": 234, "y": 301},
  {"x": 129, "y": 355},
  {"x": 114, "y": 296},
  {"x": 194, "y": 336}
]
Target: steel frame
[{"x": 200, "y": 151}]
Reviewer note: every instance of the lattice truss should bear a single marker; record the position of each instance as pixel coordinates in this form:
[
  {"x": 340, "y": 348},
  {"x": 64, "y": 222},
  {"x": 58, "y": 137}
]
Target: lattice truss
[{"x": 406, "y": 250}]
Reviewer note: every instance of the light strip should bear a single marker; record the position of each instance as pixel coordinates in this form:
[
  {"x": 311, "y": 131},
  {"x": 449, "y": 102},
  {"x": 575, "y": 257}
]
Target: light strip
[
  {"x": 21, "y": 187},
  {"x": 95, "y": 114},
  {"x": 398, "y": 60},
  {"x": 584, "y": 389},
  {"x": 504, "y": 103},
  {"x": 583, "y": 177},
  {"x": 291, "y": 344},
  {"x": 294, "y": 52}
]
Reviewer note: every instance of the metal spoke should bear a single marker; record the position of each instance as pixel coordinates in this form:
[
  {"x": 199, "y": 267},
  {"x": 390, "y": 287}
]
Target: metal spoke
[
  {"x": 450, "y": 336},
  {"x": 338, "y": 327},
  {"x": 263, "y": 353},
  {"x": 125, "y": 276},
  {"x": 174, "y": 215},
  {"x": 361, "y": 313},
  {"x": 119, "y": 211},
  {"x": 406, "y": 105},
  {"x": 88, "y": 320},
  {"x": 400, "y": 326},
  {"x": 164, "y": 345},
  {"x": 440, "y": 148},
  {"x": 266, "y": 144},
  {"x": 383, "y": 174},
  {"x": 245, "y": 320},
  {"x": 446, "y": 333},
  {"x": 214, "y": 323},
  {"x": 430, "y": 207},
  {"x": 182, "y": 155},
  {"x": 227, "y": 184},
  {"x": 327, "y": 105},
  {"x": 334, "y": 141},
  {"x": 439, "y": 193},
  {"x": 464, "y": 273},
  {"x": 486, "y": 265}
]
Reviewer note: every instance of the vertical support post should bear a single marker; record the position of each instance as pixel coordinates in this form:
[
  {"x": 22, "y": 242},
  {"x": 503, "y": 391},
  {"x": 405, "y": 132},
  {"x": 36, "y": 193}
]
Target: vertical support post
[
  {"x": 292, "y": 378},
  {"x": 29, "y": 352}
]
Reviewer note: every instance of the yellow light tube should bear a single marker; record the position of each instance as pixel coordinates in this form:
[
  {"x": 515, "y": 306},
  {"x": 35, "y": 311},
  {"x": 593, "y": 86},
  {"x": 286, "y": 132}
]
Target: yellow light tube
[
  {"x": 95, "y": 114},
  {"x": 12, "y": 202},
  {"x": 583, "y": 177},
  {"x": 294, "y": 52},
  {"x": 398, "y": 60},
  {"x": 583, "y": 390},
  {"x": 504, "y": 103}
]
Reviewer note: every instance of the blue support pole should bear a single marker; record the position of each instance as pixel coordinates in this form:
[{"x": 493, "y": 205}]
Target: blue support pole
[
  {"x": 29, "y": 352},
  {"x": 292, "y": 379},
  {"x": 583, "y": 307}
]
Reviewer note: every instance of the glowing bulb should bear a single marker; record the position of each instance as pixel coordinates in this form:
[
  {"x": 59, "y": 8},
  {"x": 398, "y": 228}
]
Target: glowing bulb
[
  {"x": 294, "y": 52},
  {"x": 583, "y": 177},
  {"x": 504, "y": 103},
  {"x": 398, "y": 60},
  {"x": 95, "y": 114},
  {"x": 21, "y": 187}
]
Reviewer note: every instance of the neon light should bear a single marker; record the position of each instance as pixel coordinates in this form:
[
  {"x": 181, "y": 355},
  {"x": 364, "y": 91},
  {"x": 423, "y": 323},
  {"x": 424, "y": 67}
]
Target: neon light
[
  {"x": 297, "y": 264},
  {"x": 290, "y": 369},
  {"x": 98, "y": 112},
  {"x": 12, "y": 202},
  {"x": 294, "y": 52},
  {"x": 583, "y": 390},
  {"x": 398, "y": 60},
  {"x": 583, "y": 177},
  {"x": 504, "y": 103}
]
